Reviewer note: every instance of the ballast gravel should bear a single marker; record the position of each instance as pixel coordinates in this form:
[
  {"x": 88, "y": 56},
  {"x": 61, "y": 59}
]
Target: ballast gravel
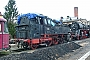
[{"x": 48, "y": 53}]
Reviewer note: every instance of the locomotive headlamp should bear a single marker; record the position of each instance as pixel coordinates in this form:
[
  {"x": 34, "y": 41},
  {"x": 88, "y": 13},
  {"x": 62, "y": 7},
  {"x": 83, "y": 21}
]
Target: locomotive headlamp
[{"x": 1, "y": 16}]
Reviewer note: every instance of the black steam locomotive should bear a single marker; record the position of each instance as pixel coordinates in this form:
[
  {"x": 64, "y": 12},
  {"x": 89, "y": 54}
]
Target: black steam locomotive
[
  {"x": 81, "y": 31},
  {"x": 34, "y": 30}
]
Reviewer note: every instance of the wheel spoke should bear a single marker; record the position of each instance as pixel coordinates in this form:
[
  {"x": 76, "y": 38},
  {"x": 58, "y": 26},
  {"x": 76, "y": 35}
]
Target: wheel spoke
[
  {"x": 49, "y": 43},
  {"x": 55, "y": 41}
]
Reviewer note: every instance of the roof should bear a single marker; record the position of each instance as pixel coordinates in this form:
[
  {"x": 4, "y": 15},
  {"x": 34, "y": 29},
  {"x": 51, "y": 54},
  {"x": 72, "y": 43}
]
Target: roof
[
  {"x": 29, "y": 16},
  {"x": 2, "y": 19}
]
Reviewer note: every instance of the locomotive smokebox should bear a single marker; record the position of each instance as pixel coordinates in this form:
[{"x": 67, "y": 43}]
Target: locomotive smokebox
[{"x": 76, "y": 26}]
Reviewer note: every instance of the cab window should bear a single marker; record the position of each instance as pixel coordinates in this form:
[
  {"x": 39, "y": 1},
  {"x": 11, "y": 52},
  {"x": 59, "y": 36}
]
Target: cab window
[
  {"x": 45, "y": 21},
  {"x": 49, "y": 22},
  {"x": 41, "y": 21},
  {"x": 5, "y": 28},
  {"x": 52, "y": 23}
]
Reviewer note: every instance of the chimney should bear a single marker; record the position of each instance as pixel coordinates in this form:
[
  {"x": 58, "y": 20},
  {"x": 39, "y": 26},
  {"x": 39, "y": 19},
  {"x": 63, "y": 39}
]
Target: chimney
[
  {"x": 76, "y": 12},
  {"x": 67, "y": 17},
  {"x": 1, "y": 14}
]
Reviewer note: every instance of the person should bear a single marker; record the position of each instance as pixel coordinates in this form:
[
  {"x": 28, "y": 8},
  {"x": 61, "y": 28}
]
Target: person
[
  {"x": 18, "y": 43},
  {"x": 21, "y": 41}
]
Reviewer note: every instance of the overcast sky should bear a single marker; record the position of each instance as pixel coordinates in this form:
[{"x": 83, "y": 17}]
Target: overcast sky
[{"x": 52, "y": 8}]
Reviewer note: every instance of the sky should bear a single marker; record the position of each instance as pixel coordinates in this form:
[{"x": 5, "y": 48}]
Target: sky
[{"x": 52, "y": 8}]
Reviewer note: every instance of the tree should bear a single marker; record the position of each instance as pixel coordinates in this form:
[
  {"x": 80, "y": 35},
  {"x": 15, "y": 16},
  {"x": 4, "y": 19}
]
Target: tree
[
  {"x": 10, "y": 11},
  {"x": 10, "y": 14},
  {"x": 11, "y": 28}
]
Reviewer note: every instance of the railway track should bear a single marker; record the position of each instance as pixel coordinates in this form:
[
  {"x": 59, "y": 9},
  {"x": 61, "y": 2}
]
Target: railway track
[
  {"x": 21, "y": 50},
  {"x": 45, "y": 53}
]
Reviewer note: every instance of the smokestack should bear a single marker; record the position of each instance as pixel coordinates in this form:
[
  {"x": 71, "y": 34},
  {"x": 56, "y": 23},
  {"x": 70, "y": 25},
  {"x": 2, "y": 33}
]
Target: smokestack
[
  {"x": 61, "y": 20},
  {"x": 76, "y": 12},
  {"x": 1, "y": 14}
]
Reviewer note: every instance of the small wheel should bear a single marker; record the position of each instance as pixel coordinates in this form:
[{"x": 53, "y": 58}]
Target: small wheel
[
  {"x": 25, "y": 45},
  {"x": 55, "y": 41},
  {"x": 69, "y": 38},
  {"x": 34, "y": 46},
  {"x": 49, "y": 43}
]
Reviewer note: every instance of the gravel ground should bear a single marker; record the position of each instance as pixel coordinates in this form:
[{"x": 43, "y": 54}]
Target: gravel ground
[{"x": 49, "y": 53}]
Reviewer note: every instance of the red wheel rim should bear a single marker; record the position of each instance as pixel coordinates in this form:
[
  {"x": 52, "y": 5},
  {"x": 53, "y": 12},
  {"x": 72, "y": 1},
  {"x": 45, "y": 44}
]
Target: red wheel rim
[
  {"x": 34, "y": 46},
  {"x": 55, "y": 41}
]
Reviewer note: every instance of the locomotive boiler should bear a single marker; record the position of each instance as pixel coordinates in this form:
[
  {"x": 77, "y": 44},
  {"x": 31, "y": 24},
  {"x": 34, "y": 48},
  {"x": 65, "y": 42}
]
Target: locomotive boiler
[{"x": 76, "y": 26}]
